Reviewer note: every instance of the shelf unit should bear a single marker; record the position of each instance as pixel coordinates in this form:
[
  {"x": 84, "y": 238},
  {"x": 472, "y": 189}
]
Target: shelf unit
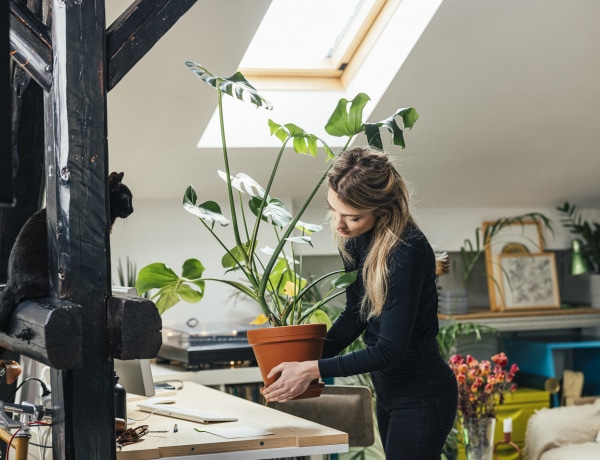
[{"x": 529, "y": 320}]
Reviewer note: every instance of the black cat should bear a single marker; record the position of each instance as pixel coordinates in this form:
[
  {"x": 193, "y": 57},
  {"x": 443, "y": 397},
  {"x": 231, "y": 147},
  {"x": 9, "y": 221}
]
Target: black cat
[{"x": 28, "y": 262}]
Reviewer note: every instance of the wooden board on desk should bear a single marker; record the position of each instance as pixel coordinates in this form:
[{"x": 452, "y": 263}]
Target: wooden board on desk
[{"x": 289, "y": 431}]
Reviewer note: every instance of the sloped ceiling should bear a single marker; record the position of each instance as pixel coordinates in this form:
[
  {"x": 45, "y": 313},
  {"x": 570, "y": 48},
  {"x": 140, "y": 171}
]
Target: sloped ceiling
[{"x": 507, "y": 93}]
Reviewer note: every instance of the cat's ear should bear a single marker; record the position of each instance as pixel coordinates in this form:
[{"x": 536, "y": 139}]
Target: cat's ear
[{"x": 115, "y": 178}]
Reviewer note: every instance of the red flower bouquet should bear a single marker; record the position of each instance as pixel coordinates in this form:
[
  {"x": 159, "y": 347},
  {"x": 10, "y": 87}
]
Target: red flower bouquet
[{"x": 482, "y": 384}]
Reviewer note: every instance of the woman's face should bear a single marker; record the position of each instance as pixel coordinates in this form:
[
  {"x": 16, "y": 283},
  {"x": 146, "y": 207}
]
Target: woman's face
[{"x": 347, "y": 221}]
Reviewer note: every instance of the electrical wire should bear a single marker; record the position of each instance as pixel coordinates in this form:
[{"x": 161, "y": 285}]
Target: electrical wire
[
  {"x": 142, "y": 419},
  {"x": 45, "y": 390},
  {"x": 44, "y": 441},
  {"x": 8, "y": 444}
]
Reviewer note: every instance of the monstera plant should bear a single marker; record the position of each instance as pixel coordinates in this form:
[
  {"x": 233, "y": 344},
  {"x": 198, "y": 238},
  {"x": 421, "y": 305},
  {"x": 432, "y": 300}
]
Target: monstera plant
[{"x": 269, "y": 276}]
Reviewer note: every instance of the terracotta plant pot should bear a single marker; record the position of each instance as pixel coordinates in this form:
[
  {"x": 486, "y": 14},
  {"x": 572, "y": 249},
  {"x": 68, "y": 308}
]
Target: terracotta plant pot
[{"x": 275, "y": 345}]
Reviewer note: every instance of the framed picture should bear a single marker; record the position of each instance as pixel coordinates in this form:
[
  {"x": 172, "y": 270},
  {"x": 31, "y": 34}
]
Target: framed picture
[
  {"x": 529, "y": 281},
  {"x": 518, "y": 238}
]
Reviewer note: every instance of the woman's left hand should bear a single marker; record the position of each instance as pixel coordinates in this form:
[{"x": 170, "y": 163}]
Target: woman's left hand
[{"x": 294, "y": 380}]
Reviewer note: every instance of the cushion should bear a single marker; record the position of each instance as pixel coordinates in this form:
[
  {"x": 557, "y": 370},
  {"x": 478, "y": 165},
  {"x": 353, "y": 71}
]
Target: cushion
[
  {"x": 550, "y": 428},
  {"x": 583, "y": 451}
]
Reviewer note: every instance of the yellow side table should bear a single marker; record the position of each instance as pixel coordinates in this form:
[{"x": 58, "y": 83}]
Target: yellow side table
[{"x": 519, "y": 406}]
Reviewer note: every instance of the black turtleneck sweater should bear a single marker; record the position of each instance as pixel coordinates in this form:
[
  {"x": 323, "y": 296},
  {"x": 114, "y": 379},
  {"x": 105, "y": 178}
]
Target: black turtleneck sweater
[{"x": 409, "y": 317}]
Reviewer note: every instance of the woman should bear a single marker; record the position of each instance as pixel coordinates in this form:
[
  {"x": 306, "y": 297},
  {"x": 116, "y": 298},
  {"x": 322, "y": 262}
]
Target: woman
[{"x": 393, "y": 302}]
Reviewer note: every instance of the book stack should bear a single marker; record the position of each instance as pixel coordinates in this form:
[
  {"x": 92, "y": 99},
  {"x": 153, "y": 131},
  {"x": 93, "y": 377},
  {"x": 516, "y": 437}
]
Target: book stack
[{"x": 452, "y": 301}]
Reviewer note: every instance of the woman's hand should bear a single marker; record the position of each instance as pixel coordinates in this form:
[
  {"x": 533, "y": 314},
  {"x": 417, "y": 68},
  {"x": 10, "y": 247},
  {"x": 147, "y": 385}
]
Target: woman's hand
[{"x": 294, "y": 380}]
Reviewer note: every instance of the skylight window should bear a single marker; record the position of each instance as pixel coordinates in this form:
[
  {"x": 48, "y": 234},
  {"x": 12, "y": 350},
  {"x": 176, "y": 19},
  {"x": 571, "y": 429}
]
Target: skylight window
[{"x": 315, "y": 38}]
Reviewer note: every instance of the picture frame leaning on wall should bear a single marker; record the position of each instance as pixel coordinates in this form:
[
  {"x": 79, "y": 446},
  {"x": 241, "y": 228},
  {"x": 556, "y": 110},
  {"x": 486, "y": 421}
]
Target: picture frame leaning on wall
[
  {"x": 529, "y": 281},
  {"x": 518, "y": 238}
]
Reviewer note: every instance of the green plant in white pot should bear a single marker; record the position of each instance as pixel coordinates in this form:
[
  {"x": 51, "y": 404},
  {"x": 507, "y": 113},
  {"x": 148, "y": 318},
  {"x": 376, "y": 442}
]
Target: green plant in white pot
[{"x": 270, "y": 277}]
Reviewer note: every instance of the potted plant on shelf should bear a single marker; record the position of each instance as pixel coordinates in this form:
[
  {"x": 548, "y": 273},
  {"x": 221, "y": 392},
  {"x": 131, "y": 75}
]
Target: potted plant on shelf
[
  {"x": 270, "y": 277},
  {"x": 588, "y": 243},
  {"x": 472, "y": 253}
]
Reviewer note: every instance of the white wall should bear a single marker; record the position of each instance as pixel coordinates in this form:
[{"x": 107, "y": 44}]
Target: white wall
[{"x": 161, "y": 231}]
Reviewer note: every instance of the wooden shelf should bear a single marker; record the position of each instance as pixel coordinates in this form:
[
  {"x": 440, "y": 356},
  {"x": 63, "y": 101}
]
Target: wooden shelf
[{"x": 524, "y": 320}]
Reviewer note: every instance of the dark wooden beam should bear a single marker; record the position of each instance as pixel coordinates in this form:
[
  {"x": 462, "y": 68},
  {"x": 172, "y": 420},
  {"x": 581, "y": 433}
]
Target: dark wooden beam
[
  {"x": 47, "y": 330},
  {"x": 137, "y": 30},
  {"x": 26, "y": 167},
  {"x": 30, "y": 44},
  {"x": 78, "y": 225},
  {"x": 6, "y": 190},
  {"x": 27, "y": 152},
  {"x": 134, "y": 328}
]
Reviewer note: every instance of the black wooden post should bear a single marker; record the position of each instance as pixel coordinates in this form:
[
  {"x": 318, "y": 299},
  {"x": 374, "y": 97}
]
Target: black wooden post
[
  {"x": 26, "y": 155},
  {"x": 6, "y": 192},
  {"x": 61, "y": 46},
  {"x": 77, "y": 204}
]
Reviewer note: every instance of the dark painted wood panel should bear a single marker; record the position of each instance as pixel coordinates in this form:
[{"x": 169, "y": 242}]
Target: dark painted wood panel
[
  {"x": 78, "y": 231},
  {"x": 30, "y": 44},
  {"x": 134, "y": 328},
  {"x": 137, "y": 30},
  {"x": 48, "y": 331},
  {"x": 6, "y": 190}
]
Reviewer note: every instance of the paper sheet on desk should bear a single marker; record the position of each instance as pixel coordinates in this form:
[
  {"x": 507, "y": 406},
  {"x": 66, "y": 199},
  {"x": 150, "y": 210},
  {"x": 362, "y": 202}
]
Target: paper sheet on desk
[{"x": 236, "y": 431}]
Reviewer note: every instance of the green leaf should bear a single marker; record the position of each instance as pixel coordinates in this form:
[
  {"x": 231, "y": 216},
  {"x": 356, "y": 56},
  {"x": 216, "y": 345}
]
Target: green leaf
[
  {"x": 154, "y": 276},
  {"x": 188, "y": 294},
  {"x": 409, "y": 117},
  {"x": 190, "y": 196},
  {"x": 305, "y": 239},
  {"x": 282, "y": 274},
  {"x": 166, "y": 300},
  {"x": 347, "y": 121},
  {"x": 244, "y": 183},
  {"x": 345, "y": 280},
  {"x": 280, "y": 131},
  {"x": 308, "y": 229},
  {"x": 306, "y": 144},
  {"x": 235, "y": 86},
  {"x": 319, "y": 316},
  {"x": 172, "y": 288},
  {"x": 192, "y": 270},
  {"x": 209, "y": 212},
  {"x": 274, "y": 211},
  {"x": 234, "y": 256}
]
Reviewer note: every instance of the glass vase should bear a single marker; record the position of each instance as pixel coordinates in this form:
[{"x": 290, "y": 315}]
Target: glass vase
[{"x": 479, "y": 437}]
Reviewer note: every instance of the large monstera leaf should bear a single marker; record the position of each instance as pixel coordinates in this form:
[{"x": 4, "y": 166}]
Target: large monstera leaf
[{"x": 235, "y": 86}]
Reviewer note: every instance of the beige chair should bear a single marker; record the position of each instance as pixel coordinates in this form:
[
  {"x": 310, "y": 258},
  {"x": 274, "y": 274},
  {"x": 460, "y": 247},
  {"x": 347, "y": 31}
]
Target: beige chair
[
  {"x": 348, "y": 408},
  {"x": 564, "y": 433}
]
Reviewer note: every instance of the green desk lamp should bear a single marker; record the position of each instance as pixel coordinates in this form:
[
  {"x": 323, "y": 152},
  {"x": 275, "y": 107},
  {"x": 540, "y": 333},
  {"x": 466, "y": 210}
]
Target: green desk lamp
[{"x": 579, "y": 263}]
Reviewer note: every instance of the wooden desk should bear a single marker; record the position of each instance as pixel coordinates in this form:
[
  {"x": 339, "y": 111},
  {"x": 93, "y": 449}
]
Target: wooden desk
[{"x": 292, "y": 436}]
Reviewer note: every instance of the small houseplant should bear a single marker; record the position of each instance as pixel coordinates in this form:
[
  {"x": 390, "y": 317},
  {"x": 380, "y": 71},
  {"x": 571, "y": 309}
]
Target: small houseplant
[
  {"x": 472, "y": 252},
  {"x": 270, "y": 277}
]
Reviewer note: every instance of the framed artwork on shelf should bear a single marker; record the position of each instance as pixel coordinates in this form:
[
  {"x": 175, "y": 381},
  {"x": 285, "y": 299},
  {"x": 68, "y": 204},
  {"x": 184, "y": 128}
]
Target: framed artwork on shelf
[
  {"x": 519, "y": 238},
  {"x": 529, "y": 281}
]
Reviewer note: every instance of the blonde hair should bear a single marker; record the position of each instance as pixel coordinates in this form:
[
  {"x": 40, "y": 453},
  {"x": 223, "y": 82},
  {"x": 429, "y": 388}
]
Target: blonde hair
[{"x": 366, "y": 180}]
